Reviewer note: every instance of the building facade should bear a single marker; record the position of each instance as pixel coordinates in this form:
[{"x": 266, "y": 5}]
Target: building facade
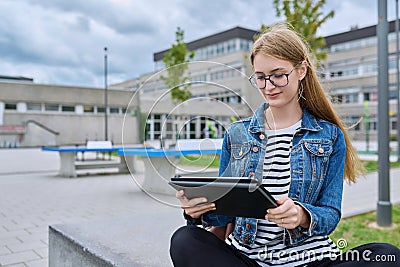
[
  {"x": 39, "y": 115},
  {"x": 350, "y": 76},
  {"x": 218, "y": 78},
  {"x": 32, "y": 114},
  {"x": 219, "y": 72}
]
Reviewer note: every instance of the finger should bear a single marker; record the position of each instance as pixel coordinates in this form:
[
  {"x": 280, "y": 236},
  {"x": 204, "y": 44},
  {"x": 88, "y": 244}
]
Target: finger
[
  {"x": 282, "y": 199},
  {"x": 181, "y": 195},
  {"x": 197, "y": 201},
  {"x": 185, "y": 202},
  {"x": 199, "y": 208},
  {"x": 283, "y": 208},
  {"x": 198, "y": 214},
  {"x": 196, "y": 211}
]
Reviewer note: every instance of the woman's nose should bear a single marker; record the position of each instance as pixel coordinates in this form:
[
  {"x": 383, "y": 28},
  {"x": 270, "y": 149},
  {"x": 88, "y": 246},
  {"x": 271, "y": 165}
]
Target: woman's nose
[{"x": 269, "y": 85}]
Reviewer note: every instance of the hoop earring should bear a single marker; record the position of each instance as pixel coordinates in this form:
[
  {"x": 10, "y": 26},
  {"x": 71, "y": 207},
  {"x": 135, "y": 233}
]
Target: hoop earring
[{"x": 301, "y": 89}]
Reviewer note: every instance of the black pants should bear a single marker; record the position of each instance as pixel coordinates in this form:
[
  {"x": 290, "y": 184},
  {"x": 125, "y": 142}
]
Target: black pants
[{"x": 192, "y": 246}]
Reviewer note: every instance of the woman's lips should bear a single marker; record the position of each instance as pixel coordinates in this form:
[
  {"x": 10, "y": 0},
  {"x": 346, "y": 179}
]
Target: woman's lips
[{"x": 274, "y": 95}]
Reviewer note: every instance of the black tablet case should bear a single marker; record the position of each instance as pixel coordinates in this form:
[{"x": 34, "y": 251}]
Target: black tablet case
[{"x": 233, "y": 196}]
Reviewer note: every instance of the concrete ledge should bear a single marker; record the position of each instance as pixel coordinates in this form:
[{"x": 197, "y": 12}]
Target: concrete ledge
[
  {"x": 65, "y": 251},
  {"x": 140, "y": 240}
]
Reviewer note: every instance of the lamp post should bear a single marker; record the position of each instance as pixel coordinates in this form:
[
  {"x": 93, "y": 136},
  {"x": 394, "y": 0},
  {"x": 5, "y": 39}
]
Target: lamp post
[
  {"x": 105, "y": 96},
  {"x": 398, "y": 79},
  {"x": 384, "y": 207}
]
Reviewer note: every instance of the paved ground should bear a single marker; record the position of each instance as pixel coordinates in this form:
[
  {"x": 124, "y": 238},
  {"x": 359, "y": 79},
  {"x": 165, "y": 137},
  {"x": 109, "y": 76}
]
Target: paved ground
[{"x": 33, "y": 197}]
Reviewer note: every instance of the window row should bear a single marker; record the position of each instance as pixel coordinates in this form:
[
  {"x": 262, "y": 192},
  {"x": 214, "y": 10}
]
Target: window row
[
  {"x": 371, "y": 125},
  {"x": 214, "y": 50},
  {"x": 185, "y": 127},
  {"x": 230, "y": 97},
  {"x": 352, "y": 70},
  {"x": 222, "y": 48},
  {"x": 359, "y": 98},
  {"x": 49, "y": 107},
  {"x": 354, "y": 44},
  {"x": 235, "y": 70}
]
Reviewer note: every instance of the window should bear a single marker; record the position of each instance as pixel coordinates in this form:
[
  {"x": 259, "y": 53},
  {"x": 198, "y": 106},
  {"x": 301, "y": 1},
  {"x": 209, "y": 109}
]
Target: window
[
  {"x": 366, "y": 96},
  {"x": 51, "y": 107},
  {"x": 100, "y": 109},
  {"x": 370, "y": 93},
  {"x": 67, "y": 108},
  {"x": 34, "y": 106},
  {"x": 353, "y": 122},
  {"x": 88, "y": 109},
  {"x": 10, "y": 106},
  {"x": 114, "y": 110},
  {"x": 394, "y": 125}
]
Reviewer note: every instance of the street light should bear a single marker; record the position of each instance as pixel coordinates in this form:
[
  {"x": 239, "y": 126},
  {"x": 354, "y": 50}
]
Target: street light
[
  {"x": 397, "y": 79},
  {"x": 105, "y": 96},
  {"x": 384, "y": 207}
]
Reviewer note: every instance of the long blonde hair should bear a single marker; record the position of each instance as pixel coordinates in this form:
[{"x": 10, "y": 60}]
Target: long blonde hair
[{"x": 282, "y": 42}]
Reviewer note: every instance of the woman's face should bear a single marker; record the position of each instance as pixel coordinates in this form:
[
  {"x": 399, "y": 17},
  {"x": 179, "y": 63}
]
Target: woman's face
[{"x": 278, "y": 96}]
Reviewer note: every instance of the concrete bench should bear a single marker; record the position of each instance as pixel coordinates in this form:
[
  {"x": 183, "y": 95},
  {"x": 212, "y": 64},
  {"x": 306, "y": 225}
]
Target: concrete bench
[
  {"x": 69, "y": 165},
  {"x": 140, "y": 239},
  {"x": 161, "y": 164}
]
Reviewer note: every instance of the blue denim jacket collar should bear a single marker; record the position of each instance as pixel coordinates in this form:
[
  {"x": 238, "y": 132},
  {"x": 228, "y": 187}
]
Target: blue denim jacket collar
[{"x": 257, "y": 121}]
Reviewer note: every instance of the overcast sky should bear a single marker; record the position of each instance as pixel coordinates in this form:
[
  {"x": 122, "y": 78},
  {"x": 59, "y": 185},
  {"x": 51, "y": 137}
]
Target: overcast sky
[{"x": 62, "y": 41}]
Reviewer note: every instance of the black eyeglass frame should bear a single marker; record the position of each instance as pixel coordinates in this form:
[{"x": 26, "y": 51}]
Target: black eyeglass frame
[{"x": 268, "y": 78}]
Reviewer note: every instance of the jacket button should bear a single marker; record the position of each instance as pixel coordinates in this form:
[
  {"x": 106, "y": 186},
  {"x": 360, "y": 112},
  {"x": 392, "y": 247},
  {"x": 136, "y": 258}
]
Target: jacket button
[
  {"x": 321, "y": 150},
  {"x": 262, "y": 136},
  {"x": 255, "y": 149},
  {"x": 251, "y": 173},
  {"x": 248, "y": 226},
  {"x": 246, "y": 240}
]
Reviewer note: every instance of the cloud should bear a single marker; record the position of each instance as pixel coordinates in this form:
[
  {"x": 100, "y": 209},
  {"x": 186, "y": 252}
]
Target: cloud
[
  {"x": 62, "y": 42},
  {"x": 361, "y": 13}
]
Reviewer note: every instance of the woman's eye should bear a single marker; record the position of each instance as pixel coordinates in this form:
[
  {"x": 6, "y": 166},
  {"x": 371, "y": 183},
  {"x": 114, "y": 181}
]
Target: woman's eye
[{"x": 278, "y": 75}]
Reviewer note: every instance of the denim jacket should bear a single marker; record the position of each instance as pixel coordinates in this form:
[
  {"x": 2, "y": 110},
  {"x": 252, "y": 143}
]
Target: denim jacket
[{"x": 317, "y": 162}]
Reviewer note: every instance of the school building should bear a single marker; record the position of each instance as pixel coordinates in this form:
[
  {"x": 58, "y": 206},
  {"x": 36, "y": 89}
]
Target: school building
[
  {"x": 42, "y": 115},
  {"x": 32, "y": 114}
]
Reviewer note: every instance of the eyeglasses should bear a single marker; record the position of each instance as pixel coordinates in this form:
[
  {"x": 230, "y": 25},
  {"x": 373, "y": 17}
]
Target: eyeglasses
[{"x": 279, "y": 80}]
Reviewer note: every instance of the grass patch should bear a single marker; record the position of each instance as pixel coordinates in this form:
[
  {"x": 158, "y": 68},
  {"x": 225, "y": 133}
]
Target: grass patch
[
  {"x": 372, "y": 166},
  {"x": 356, "y": 231},
  {"x": 200, "y": 160}
]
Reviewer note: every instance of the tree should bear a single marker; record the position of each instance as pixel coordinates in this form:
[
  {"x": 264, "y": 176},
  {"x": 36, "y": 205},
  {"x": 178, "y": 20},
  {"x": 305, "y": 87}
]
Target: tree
[
  {"x": 306, "y": 17},
  {"x": 176, "y": 60}
]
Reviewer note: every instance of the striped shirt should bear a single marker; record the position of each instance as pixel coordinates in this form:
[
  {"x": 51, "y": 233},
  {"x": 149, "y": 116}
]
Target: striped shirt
[{"x": 269, "y": 248}]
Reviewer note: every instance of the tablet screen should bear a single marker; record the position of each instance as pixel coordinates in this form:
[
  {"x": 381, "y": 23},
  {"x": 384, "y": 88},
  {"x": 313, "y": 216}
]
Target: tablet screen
[{"x": 233, "y": 196}]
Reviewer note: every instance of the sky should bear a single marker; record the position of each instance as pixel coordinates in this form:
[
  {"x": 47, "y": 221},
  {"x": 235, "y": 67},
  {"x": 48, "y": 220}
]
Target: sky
[{"x": 62, "y": 42}]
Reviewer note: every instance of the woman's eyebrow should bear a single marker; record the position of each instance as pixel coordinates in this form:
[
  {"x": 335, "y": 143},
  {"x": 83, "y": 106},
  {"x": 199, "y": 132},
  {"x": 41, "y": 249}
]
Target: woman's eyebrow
[{"x": 272, "y": 71}]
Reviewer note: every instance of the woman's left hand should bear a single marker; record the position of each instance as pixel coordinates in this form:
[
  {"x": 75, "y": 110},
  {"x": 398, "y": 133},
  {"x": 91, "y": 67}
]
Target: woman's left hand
[{"x": 288, "y": 214}]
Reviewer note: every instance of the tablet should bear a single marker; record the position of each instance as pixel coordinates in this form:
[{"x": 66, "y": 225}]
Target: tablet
[{"x": 233, "y": 196}]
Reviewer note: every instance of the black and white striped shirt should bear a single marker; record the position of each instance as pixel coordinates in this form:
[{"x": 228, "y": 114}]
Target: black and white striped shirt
[{"x": 269, "y": 248}]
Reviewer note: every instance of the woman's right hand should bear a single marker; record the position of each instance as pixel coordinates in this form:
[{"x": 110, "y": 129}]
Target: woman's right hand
[{"x": 193, "y": 207}]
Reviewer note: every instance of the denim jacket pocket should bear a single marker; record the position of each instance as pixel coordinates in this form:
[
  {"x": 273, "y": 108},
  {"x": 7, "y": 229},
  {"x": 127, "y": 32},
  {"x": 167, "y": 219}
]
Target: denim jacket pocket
[
  {"x": 240, "y": 157},
  {"x": 245, "y": 230},
  {"x": 318, "y": 157}
]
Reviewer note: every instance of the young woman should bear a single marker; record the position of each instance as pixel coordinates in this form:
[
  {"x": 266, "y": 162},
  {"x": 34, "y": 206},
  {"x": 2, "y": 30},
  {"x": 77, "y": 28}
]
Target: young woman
[{"x": 299, "y": 150}]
